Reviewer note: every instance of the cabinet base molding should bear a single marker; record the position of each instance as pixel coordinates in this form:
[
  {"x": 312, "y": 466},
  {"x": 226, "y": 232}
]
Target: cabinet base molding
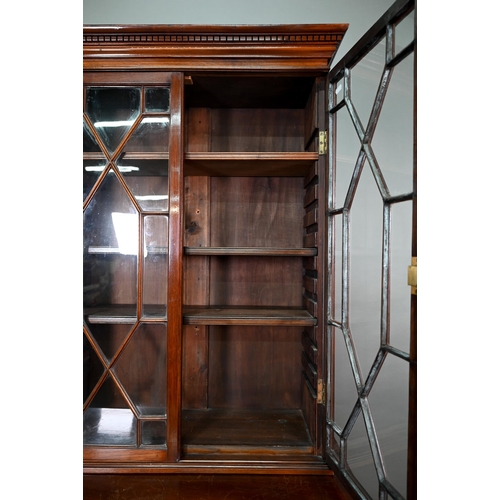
[{"x": 314, "y": 466}]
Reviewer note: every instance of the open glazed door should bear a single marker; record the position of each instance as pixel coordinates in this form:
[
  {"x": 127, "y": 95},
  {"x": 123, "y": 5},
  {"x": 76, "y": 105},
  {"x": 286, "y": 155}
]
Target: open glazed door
[{"x": 371, "y": 313}]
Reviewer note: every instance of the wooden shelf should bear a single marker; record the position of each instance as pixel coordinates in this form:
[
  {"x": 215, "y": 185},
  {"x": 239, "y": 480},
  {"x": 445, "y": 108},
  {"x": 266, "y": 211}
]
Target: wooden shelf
[
  {"x": 122, "y": 314},
  {"x": 253, "y": 164},
  {"x": 252, "y": 251},
  {"x": 269, "y": 316},
  {"x": 245, "y": 431}
]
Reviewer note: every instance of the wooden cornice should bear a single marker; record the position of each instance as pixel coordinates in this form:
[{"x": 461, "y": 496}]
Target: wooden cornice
[{"x": 305, "y": 48}]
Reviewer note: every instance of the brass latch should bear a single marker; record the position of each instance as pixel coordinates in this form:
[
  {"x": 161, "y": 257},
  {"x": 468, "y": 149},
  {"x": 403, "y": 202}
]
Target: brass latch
[
  {"x": 320, "y": 398},
  {"x": 412, "y": 275},
  {"x": 323, "y": 143}
]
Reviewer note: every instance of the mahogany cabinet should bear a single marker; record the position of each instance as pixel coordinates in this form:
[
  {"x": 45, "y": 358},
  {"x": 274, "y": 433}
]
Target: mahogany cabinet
[{"x": 205, "y": 165}]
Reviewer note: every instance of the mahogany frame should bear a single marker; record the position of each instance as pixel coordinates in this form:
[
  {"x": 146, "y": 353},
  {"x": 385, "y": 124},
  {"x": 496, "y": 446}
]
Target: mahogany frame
[{"x": 141, "y": 50}]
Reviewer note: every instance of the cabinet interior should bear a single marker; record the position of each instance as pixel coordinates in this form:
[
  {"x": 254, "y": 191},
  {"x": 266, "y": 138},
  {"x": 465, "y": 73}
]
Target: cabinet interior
[{"x": 250, "y": 266}]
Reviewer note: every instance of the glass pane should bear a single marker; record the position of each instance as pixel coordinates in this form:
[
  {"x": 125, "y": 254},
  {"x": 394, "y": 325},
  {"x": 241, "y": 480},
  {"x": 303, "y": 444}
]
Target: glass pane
[
  {"x": 366, "y": 269},
  {"x": 151, "y": 135},
  {"x": 339, "y": 90},
  {"x": 360, "y": 460},
  {"x": 338, "y": 268},
  {"x": 405, "y": 32},
  {"x": 334, "y": 442},
  {"x": 142, "y": 369},
  {"x": 92, "y": 169},
  {"x": 347, "y": 148},
  {"x": 92, "y": 368},
  {"x": 365, "y": 79},
  {"x": 157, "y": 100},
  {"x": 401, "y": 223},
  {"x": 110, "y": 255},
  {"x": 392, "y": 141},
  {"x": 155, "y": 266},
  {"x": 148, "y": 181},
  {"x": 113, "y": 111},
  {"x": 109, "y": 420},
  {"x": 94, "y": 161},
  {"x": 154, "y": 432},
  {"x": 389, "y": 406},
  {"x": 345, "y": 392},
  {"x": 90, "y": 144},
  {"x": 110, "y": 337}
]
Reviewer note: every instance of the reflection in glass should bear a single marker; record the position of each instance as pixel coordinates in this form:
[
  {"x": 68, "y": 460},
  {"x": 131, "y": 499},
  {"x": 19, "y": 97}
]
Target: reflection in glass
[
  {"x": 157, "y": 100},
  {"x": 90, "y": 144},
  {"x": 142, "y": 368},
  {"x": 92, "y": 169},
  {"x": 109, "y": 420},
  {"x": 113, "y": 111},
  {"x": 148, "y": 178},
  {"x": 154, "y": 432},
  {"x": 339, "y": 91},
  {"x": 389, "y": 405},
  {"x": 365, "y": 79},
  {"x": 155, "y": 266},
  {"x": 151, "y": 135},
  {"x": 136, "y": 382},
  {"x": 110, "y": 262},
  {"x": 148, "y": 181}
]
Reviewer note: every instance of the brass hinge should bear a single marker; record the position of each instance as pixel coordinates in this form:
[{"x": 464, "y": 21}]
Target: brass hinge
[
  {"x": 320, "y": 398},
  {"x": 412, "y": 275},
  {"x": 323, "y": 143}
]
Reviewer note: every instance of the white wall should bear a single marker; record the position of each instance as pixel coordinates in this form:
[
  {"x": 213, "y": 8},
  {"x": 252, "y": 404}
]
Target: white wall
[{"x": 359, "y": 14}]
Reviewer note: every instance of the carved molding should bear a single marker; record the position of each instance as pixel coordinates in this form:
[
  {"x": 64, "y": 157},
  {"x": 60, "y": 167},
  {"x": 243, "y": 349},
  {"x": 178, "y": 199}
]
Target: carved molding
[
  {"x": 180, "y": 47},
  {"x": 266, "y": 39},
  {"x": 215, "y": 34}
]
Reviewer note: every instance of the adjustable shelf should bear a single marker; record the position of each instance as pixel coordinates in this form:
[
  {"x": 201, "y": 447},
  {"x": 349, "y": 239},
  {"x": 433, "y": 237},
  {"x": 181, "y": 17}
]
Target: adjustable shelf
[
  {"x": 249, "y": 164},
  {"x": 253, "y": 316},
  {"x": 123, "y": 314},
  {"x": 249, "y": 251}
]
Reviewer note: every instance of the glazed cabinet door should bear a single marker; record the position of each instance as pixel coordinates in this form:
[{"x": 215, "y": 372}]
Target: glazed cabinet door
[
  {"x": 371, "y": 317},
  {"x": 132, "y": 175}
]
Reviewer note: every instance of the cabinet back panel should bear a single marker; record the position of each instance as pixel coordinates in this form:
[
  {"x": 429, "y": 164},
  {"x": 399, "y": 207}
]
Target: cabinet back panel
[
  {"x": 194, "y": 366},
  {"x": 267, "y": 130},
  {"x": 245, "y": 91},
  {"x": 254, "y": 367},
  {"x": 256, "y": 211},
  {"x": 250, "y": 281}
]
